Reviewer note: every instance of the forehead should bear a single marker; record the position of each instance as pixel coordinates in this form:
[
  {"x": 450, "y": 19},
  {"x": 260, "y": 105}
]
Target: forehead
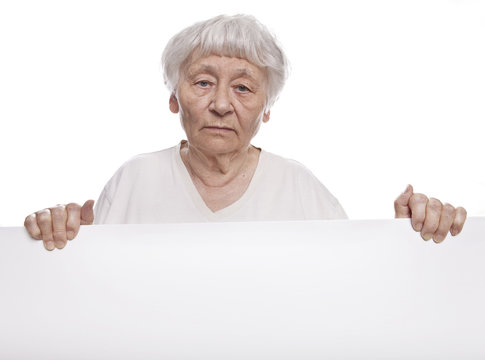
[{"x": 219, "y": 65}]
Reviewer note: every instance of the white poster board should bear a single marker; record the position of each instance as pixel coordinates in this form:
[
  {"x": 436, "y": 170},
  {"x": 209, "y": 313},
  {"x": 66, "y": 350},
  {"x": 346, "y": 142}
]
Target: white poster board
[{"x": 269, "y": 290}]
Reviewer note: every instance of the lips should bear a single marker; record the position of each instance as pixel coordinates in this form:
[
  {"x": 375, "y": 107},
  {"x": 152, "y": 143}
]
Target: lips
[{"x": 218, "y": 128}]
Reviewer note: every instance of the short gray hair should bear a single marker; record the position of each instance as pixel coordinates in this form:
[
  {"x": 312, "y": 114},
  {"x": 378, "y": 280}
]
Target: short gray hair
[{"x": 240, "y": 36}]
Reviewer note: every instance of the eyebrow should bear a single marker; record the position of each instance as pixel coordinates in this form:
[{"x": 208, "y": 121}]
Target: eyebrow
[{"x": 212, "y": 70}]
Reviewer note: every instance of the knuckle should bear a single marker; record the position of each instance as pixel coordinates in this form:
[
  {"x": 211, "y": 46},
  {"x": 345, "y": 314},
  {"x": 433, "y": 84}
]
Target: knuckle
[
  {"x": 56, "y": 210},
  {"x": 32, "y": 227},
  {"x": 435, "y": 204},
  {"x": 58, "y": 206},
  {"x": 47, "y": 238},
  {"x": 420, "y": 197},
  {"x": 462, "y": 211},
  {"x": 59, "y": 235},
  {"x": 29, "y": 220},
  {"x": 71, "y": 225},
  {"x": 448, "y": 210},
  {"x": 73, "y": 206},
  {"x": 417, "y": 199},
  {"x": 43, "y": 216}
]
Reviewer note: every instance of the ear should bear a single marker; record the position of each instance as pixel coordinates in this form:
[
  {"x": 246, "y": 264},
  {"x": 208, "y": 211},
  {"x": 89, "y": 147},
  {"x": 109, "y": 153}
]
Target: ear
[
  {"x": 173, "y": 104},
  {"x": 266, "y": 116}
]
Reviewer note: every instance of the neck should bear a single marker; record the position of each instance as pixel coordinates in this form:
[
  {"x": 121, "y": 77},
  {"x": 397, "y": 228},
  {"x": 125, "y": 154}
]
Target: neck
[{"x": 218, "y": 170}]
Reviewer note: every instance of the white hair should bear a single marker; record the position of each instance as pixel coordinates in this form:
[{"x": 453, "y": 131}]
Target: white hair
[{"x": 240, "y": 36}]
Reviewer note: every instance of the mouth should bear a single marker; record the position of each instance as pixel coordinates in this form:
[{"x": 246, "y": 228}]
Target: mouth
[{"x": 220, "y": 129}]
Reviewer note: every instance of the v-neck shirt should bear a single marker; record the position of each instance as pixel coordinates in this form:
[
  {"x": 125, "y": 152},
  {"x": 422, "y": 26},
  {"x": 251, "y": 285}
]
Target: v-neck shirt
[{"x": 157, "y": 188}]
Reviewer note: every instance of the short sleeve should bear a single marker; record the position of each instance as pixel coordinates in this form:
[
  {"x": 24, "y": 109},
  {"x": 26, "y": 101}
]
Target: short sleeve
[{"x": 317, "y": 201}]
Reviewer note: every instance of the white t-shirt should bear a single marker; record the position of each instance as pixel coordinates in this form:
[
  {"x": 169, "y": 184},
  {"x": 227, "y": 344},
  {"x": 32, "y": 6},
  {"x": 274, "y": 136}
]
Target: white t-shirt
[{"x": 157, "y": 188}]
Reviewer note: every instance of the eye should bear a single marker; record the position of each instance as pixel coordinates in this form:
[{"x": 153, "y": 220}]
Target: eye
[
  {"x": 203, "y": 83},
  {"x": 242, "y": 88}
]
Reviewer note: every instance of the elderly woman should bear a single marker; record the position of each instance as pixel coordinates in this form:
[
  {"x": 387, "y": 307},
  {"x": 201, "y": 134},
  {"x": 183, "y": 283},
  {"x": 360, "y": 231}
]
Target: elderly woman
[{"x": 224, "y": 75}]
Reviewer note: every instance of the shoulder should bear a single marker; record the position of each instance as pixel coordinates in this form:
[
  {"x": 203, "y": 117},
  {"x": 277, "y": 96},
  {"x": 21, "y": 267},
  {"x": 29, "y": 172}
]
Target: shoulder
[
  {"x": 281, "y": 162},
  {"x": 317, "y": 201},
  {"x": 148, "y": 160},
  {"x": 281, "y": 165},
  {"x": 140, "y": 168},
  {"x": 135, "y": 179}
]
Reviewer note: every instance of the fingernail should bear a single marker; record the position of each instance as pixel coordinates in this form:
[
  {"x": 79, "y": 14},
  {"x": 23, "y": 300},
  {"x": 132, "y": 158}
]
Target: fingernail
[
  {"x": 417, "y": 226},
  {"x": 453, "y": 232},
  {"x": 49, "y": 245},
  {"x": 407, "y": 188},
  {"x": 70, "y": 235},
  {"x": 426, "y": 236},
  {"x": 60, "y": 244},
  {"x": 438, "y": 238}
]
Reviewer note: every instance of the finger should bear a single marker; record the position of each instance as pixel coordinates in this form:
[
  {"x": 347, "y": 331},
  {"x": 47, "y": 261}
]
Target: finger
[
  {"x": 432, "y": 219},
  {"x": 59, "y": 219},
  {"x": 45, "y": 224},
  {"x": 446, "y": 220},
  {"x": 401, "y": 204},
  {"x": 417, "y": 205},
  {"x": 32, "y": 228},
  {"x": 87, "y": 213},
  {"x": 73, "y": 220},
  {"x": 459, "y": 221}
]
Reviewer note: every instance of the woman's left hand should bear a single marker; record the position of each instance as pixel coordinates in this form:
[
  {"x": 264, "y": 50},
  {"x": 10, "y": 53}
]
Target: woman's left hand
[{"x": 429, "y": 216}]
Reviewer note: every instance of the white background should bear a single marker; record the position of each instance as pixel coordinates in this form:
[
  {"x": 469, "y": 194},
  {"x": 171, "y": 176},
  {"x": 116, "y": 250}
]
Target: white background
[{"x": 381, "y": 94}]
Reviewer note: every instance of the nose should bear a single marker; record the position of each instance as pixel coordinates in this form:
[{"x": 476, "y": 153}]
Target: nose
[{"x": 221, "y": 102}]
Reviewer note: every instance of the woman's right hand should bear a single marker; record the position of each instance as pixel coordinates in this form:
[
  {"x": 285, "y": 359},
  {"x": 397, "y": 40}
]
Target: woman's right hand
[{"x": 55, "y": 225}]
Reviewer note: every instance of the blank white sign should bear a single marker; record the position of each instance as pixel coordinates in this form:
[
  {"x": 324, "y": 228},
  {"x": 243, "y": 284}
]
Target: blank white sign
[{"x": 267, "y": 290}]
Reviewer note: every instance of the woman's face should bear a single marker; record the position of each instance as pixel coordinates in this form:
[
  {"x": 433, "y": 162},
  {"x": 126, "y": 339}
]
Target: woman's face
[{"x": 221, "y": 101}]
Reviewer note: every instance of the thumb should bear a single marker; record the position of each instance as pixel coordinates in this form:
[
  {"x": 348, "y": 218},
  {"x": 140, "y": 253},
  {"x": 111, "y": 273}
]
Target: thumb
[
  {"x": 87, "y": 213},
  {"x": 401, "y": 205}
]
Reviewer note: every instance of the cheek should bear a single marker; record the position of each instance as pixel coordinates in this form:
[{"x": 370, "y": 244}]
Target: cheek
[
  {"x": 188, "y": 108},
  {"x": 194, "y": 103},
  {"x": 253, "y": 123},
  {"x": 253, "y": 104}
]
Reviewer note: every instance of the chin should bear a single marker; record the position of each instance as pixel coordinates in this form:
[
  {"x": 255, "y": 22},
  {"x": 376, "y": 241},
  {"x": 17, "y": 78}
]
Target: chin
[{"x": 218, "y": 146}]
